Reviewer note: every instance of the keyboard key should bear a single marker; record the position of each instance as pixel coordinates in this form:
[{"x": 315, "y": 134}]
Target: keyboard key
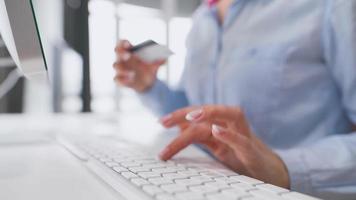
[
  {"x": 252, "y": 198},
  {"x": 128, "y": 175},
  {"x": 188, "y": 173},
  {"x": 227, "y": 180},
  {"x": 211, "y": 174},
  {"x": 164, "y": 170},
  {"x": 166, "y": 197},
  {"x": 146, "y": 161},
  {"x": 152, "y": 190},
  {"x": 147, "y": 175},
  {"x": 235, "y": 193},
  {"x": 297, "y": 196},
  {"x": 190, "y": 196},
  {"x": 111, "y": 164},
  {"x": 242, "y": 186},
  {"x": 172, "y": 188},
  {"x": 247, "y": 180},
  {"x": 226, "y": 172},
  {"x": 139, "y": 181},
  {"x": 104, "y": 159},
  {"x": 130, "y": 164},
  {"x": 188, "y": 182},
  {"x": 265, "y": 195},
  {"x": 139, "y": 169},
  {"x": 203, "y": 189},
  {"x": 203, "y": 179},
  {"x": 120, "y": 169},
  {"x": 174, "y": 176},
  {"x": 272, "y": 188},
  {"x": 221, "y": 196},
  {"x": 218, "y": 185},
  {"x": 160, "y": 181},
  {"x": 154, "y": 165}
]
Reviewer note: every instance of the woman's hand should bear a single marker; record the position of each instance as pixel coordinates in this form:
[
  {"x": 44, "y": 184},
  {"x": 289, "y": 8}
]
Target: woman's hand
[
  {"x": 227, "y": 134},
  {"x": 131, "y": 71}
]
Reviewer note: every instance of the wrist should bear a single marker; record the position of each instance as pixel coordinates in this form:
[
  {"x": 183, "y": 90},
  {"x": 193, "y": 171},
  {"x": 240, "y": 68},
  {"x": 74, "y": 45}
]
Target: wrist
[{"x": 146, "y": 87}]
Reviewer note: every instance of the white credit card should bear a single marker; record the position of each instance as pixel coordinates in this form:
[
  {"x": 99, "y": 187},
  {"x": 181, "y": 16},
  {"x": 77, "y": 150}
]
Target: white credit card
[{"x": 150, "y": 51}]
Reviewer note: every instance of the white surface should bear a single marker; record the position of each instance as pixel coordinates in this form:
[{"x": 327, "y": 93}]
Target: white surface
[
  {"x": 32, "y": 167},
  {"x": 46, "y": 172}
]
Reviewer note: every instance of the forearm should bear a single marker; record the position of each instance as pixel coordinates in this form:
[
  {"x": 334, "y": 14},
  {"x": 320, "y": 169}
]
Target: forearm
[
  {"x": 162, "y": 100},
  {"x": 326, "y": 169}
]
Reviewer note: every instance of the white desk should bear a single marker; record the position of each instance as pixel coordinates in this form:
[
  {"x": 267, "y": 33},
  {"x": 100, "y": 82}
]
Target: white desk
[{"x": 33, "y": 166}]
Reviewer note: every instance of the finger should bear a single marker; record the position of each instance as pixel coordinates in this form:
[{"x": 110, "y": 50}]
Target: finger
[
  {"x": 193, "y": 134},
  {"x": 123, "y": 45},
  {"x": 230, "y": 116},
  {"x": 130, "y": 74},
  {"x": 214, "y": 112},
  {"x": 121, "y": 66},
  {"x": 123, "y": 51},
  {"x": 234, "y": 140},
  {"x": 178, "y": 144},
  {"x": 124, "y": 80},
  {"x": 176, "y": 117}
]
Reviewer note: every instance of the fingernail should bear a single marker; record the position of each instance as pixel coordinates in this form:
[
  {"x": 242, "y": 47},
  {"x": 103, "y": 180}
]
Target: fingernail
[
  {"x": 125, "y": 56},
  {"x": 216, "y": 130},
  {"x": 194, "y": 115},
  {"x": 165, "y": 120},
  {"x": 163, "y": 153}
]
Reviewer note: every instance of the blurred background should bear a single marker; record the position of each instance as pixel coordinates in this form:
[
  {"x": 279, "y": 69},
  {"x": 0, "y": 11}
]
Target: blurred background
[{"x": 79, "y": 37}]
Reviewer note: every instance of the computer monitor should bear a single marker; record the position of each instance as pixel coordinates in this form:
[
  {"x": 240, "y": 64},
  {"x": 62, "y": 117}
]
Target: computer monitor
[{"x": 19, "y": 30}]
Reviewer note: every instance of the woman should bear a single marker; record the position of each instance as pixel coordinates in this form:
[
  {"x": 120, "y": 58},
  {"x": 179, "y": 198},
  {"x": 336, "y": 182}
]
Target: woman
[{"x": 279, "y": 79}]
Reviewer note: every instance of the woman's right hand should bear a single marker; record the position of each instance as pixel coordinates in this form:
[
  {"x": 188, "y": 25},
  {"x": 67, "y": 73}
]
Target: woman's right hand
[{"x": 131, "y": 71}]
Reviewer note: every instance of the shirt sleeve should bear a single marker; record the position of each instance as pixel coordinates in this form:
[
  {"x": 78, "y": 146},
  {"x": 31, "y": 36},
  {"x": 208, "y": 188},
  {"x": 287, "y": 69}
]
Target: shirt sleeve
[
  {"x": 160, "y": 98},
  {"x": 327, "y": 169},
  {"x": 163, "y": 100}
]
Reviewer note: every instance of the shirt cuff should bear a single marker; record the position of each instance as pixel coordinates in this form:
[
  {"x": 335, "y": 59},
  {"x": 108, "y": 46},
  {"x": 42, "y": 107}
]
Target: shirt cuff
[
  {"x": 152, "y": 91},
  {"x": 297, "y": 169},
  {"x": 153, "y": 96}
]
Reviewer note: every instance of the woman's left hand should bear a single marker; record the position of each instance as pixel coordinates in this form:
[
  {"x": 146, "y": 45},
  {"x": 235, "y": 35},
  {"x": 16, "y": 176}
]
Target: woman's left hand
[{"x": 226, "y": 133}]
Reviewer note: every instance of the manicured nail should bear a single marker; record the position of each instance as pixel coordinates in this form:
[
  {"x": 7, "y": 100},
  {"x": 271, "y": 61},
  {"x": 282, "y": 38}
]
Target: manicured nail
[
  {"x": 194, "y": 115},
  {"x": 165, "y": 120},
  {"x": 216, "y": 130},
  {"x": 125, "y": 56}
]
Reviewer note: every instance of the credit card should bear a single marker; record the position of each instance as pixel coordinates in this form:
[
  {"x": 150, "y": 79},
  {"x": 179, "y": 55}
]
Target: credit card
[{"x": 150, "y": 51}]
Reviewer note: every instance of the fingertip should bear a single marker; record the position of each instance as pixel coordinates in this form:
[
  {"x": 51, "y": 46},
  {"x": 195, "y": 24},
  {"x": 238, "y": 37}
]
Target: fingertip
[
  {"x": 166, "y": 120},
  {"x": 164, "y": 155}
]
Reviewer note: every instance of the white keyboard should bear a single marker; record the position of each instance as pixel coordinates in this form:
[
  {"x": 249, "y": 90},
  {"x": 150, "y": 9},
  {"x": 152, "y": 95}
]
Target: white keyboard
[{"x": 172, "y": 180}]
